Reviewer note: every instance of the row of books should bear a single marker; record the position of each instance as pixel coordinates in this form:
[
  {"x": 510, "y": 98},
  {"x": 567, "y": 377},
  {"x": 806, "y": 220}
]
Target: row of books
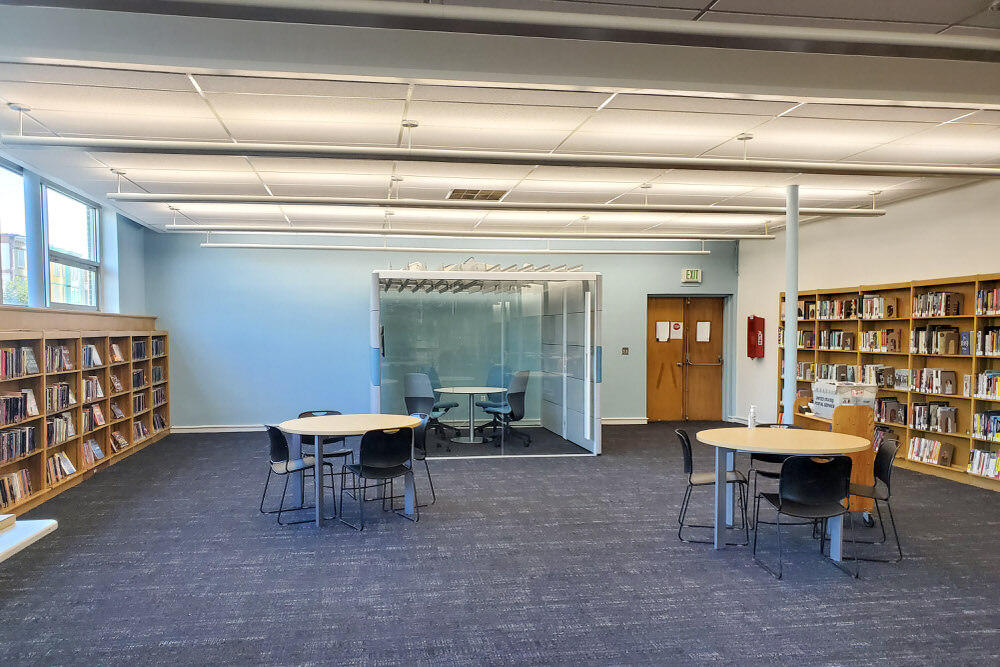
[
  {"x": 988, "y": 301},
  {"x": 984, "y": 463},
  {"x": 835, "y": 339},
  {"x": 940, "y": 339},
  {"x": 836, "y": 309},
  {"x": 988, "y": 341},
  {"x": 882, "y": 376},
  {"x": 890, "y": 410},
  {"x": 139, "y": 431},
  {"x": 934, "y": 416},
  {"x": 157, "y": 373},
  {"x": 986, "y": 425},
  {"x": 937, "y": 304},
  {"x": 159, "y": 396},
  {"x": 92, "y": 388},
  {"x": 883, "y": 435},
  {"x": 807, "y": 309},
  {"x": 138, "y": 350},
  {"x": 92, "y": 453},
  {"x": 14, "y": 486},
  {"x": 839, "y": 372},
  {"x": 59, "y": 428},
  {"x": 93, "y": 417},
  {"x": 138, "y": 403},
  {"x": 59, "y": 396},
  {"x": 91, "y": 357},
  {"x": 988, "y": 385},
  {"x": 17, "y": 361},
  {"x": 118, "y": 441},
  {"x": 17, "y": 442},
  {"x": 138, "y": 377},
  {"x": 58, "y": 467},
  {"x": 58, "y": 359},
  {"x": 933, "y": 381},
  {"x": 882, "y": 340},
  {"x": 159, "y": 423},
  {"x": 159, "y": 347},
  {"x": 876, "y": 307},
  {"x": 17, "y": 405},
  {"x": 930, "y": 451}
]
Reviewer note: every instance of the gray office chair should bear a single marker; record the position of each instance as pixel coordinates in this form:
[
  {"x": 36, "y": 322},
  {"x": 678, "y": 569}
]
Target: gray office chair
[
  {"x": 432, "y": 374},
  {"x": 513, "y": 410},
  {"x": 418, "y": 394},
  {"x": 498, "y": 376}
]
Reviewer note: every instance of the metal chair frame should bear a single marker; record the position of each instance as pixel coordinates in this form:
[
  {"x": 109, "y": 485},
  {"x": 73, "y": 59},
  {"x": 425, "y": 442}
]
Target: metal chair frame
[
  {"x": 306, "y": 472},
  {"x": 682, "y": 514}
]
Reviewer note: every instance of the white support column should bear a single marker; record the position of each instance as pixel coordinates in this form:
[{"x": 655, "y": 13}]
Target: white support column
[
  {"x": 34, "y": 228},
  {"x": 791, "y": 300}
]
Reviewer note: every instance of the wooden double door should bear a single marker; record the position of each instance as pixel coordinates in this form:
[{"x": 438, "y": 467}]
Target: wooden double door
[{"x": 684, "y": 366}]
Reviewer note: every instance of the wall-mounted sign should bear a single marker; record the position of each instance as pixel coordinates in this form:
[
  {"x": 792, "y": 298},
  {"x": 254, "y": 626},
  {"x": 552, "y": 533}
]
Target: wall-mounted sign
[{"x": 690, "y": 275}]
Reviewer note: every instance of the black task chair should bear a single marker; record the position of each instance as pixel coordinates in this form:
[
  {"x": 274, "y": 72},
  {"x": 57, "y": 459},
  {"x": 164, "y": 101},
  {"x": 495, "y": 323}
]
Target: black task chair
[
  {"x": 384, "y": 456},
  {"x": 762, "y": 465},
  {"x": 815, "y": 489},
  {"x": 282, "y": 464},
  {"x": 420, "y": 449},
  {"x": 884, "y": 460},
  {"x": 706, "y": 479},
  {"x": 512, "y": 410}
]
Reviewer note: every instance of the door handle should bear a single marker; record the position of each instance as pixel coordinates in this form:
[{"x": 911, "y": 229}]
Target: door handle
[{"x": 688, "y": 361}]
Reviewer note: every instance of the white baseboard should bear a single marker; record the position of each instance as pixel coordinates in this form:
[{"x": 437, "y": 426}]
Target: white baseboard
[
  {"x": 217, "y": 429},
  {"x": 616, "y": 421}
]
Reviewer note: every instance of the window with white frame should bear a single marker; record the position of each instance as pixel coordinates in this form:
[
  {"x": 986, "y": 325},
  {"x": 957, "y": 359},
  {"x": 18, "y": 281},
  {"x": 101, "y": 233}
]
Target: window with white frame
[
  {"x": 13, "y": 240},
  {"x": 74, "y": 261}
]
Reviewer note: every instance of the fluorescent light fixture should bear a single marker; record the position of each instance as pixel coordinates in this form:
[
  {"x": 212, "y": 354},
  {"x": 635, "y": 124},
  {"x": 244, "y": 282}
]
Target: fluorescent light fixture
[
  {"x": 466, "y": 251},
  {"x": 477, "y": 205},
  {"x": 463, "y": 156}
]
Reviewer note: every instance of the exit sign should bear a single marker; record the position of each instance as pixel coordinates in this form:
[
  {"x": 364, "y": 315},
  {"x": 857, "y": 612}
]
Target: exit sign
[{"x": 691, "y": 275}]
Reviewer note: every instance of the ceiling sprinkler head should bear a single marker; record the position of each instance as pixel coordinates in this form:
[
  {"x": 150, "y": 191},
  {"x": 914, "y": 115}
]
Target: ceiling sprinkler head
[
  {"x": 746, "y": 136},
  {"x": 646, "y": 186},
  {"x": 17, "y": 106},
  {"x": 118, "y": 172},
  {"x": 395, "y": 179},
  {"x": 410, "y": 123}
]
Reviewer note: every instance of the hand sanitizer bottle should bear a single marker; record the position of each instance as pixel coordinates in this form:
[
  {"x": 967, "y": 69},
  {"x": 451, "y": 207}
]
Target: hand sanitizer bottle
[{"x": 752, "y": 417}]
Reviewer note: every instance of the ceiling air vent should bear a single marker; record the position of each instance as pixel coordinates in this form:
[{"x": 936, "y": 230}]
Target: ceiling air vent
[{"x": 477, "y": 195}]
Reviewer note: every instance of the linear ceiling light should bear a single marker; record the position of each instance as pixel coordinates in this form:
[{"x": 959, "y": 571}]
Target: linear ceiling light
[
  {"x": 568, "y": 25},
  {"x": 256, "y": 149},
  {"x": 476, "y": 251},
  {"x": 482, "y": 205},
  {"x": 464, "y": 234}
]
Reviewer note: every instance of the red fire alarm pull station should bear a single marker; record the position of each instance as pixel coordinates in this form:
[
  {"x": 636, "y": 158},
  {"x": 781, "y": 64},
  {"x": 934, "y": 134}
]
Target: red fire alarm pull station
[{"x": 755, "y": 337}]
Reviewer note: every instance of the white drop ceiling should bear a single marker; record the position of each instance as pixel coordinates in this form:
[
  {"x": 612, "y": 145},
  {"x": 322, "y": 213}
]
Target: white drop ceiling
[{"x": 89, "y": 102}]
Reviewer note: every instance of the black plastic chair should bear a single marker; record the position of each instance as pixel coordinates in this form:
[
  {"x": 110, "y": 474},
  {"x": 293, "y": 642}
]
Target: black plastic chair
[
  {"x": 282, "y": 464},
  {"x": 383, "y": 456},
  {"x": 884, "y": 460},
  {"x": 706, "y": 479},
  {"x": 816, "y": 489},
  {"x": 420, "y": 449},
  {"x": 756, "y": 460},
  {"x": 310, "y": 441}
]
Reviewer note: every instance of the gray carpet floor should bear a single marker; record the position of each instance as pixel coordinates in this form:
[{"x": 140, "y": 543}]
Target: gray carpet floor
[{"x": 164, "y": 559}]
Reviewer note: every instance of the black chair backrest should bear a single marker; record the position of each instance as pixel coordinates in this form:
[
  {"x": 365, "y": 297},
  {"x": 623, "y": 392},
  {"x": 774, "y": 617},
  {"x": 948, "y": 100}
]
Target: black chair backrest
[
  {"x": 815, "y": 481},
  {"x": 386, "y": 449},
  {"x": 685, "y": 450},
  {"x": 884, "y": 459},
  {"x": 515, "y": 397},
  {"x": 777, "y": 426},
  {"x": 417, "y": 393},
  {"x": 420, "y": 432},
  {"x": 279, "y": 444},
  {"x": 319, "y": 413}
]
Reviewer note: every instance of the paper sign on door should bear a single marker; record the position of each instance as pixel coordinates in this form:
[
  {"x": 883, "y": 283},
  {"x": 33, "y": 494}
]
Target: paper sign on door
[
  {"x": 662, "y": 331},
  {"x": 703, "y": 333},
  {"x": 676, "y": 330}
]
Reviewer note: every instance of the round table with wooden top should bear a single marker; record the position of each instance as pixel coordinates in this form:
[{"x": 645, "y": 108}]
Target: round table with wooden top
[
  {"x": 344, "y": 425},
  {"x": 728, "y": 441},
  {"x": 471, "y": 391}
]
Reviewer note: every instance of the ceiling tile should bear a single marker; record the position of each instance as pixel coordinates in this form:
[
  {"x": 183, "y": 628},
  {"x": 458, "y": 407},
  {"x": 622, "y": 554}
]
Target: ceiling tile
[
  {"x": 319, "y": 165},
  {"x": 131, "y": 126},
  {"x": 448, "y": 170},
  {"x": 509, "y": 96},
  {"x": 698, "y": 104},
  {"x": 671, "y": 123},
  {"x": 928, "y": 154},
  {"x": 957, "y": 135},
  {"x": 328, "y": 190},
  {"x": 812, "y": 130},
  {"x": 92, "y": 76},
  {"x": 205, "y": 187},
  {"x": 875, "y": 113},
  {"x": 637, "y": 197},
  {"x": 599, "y": 174},
  {"x": 324, "y": 178},
  {"x": 984, "y": 19},
  {"x": 970, "y": 31},
  {"x": 313, "y": 132},
  {"x": 585, "y": 197},
  {"x": 989, "y": 116},
  {"x": 921, "y": 11},
  {"x": 118, "y": 101},
  {"x": 815, "y": 148},
  {"x": 496, "y": 116},
  {"x": 736, "y": 178},
  {"x": 830, "y": 23},
  {"x": 277, "y": 108},
  {"x": 151, "y": 161},
  {"x": 640, "y": 144},
  {"x": 673, "y": 9},
  {"x": 306, "y": 87},
  {"x": 501, "y": 139}
]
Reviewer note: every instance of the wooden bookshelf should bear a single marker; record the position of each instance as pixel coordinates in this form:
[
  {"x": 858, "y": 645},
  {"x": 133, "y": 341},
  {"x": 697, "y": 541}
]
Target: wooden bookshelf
[
  {"x": 903, "y": 321},
  {"x": 74, "y": 446}
]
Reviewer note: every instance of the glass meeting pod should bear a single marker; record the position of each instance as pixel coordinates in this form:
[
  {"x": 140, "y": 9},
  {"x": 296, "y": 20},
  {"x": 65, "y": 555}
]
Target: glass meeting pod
[{"x": 510, "y": 359}]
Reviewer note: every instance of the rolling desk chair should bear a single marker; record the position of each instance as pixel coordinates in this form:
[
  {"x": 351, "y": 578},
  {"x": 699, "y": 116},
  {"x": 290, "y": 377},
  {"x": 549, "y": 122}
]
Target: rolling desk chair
[
  {"x": 498, "y": 376},
  {"x": 418, "y": 394},
  {"x": 432, "y": 375},
  {"x": 513, "y": 410}
]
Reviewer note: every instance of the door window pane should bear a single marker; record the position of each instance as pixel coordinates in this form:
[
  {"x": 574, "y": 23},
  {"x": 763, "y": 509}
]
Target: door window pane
[
  {"x": 72, "y": 225},
  {"x": 71, "y": 285},
  {"x": 13, "y": 244}
]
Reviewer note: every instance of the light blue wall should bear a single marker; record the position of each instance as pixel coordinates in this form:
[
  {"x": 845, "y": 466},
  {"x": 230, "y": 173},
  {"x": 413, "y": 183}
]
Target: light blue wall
[
  {"x": 259, "y": 335},
  {"x": 131, "y": 267}
]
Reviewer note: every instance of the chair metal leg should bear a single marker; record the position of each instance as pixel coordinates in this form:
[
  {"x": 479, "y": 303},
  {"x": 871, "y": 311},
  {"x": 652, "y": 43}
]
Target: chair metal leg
[
  {"x": 264, "y": 495},
  {"x": 416, "y": 504},
  {"x": 756, "y": 521},
  {"x": 683, "y": 513},
  {"x": 360, "y": 497},
  {"x": 857, "y": 564},
  {"x": 430, "y": 481},
  {"x": 895, "y": 534}
]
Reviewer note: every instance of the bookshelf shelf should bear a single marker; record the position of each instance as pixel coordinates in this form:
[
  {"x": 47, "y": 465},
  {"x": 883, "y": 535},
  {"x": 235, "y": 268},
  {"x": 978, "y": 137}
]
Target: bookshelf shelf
[
  {"x": 52, "y": 341},
  {"x": 950, "y": 314}
]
